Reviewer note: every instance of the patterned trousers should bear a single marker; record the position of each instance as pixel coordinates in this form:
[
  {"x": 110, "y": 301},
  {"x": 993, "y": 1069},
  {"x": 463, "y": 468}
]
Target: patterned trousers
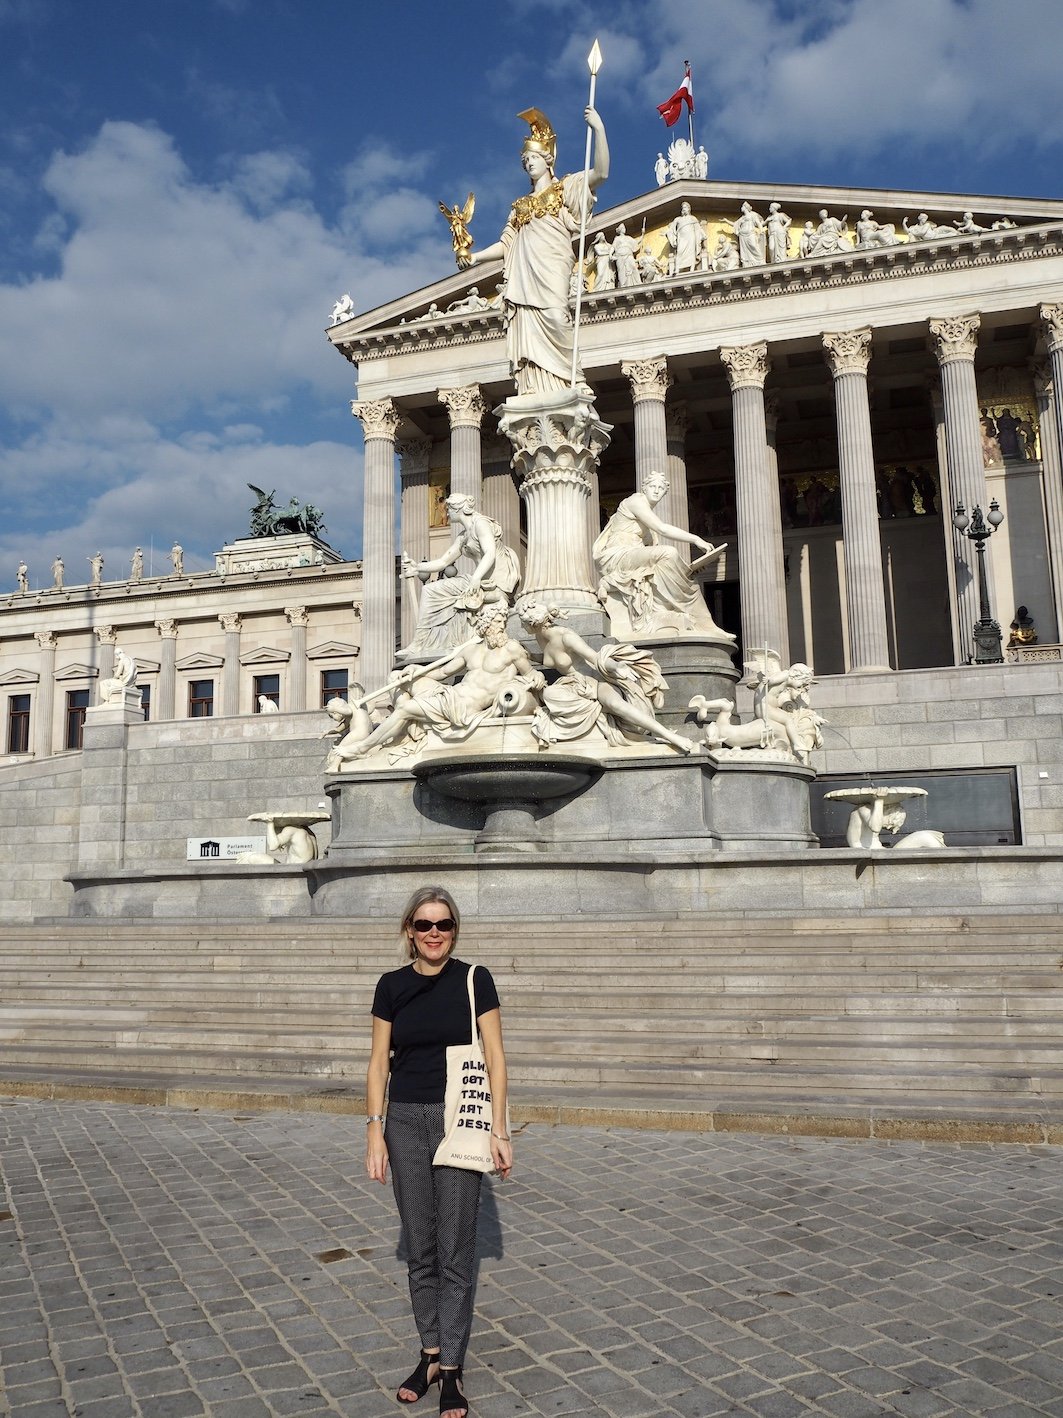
[{"x": 438, "y": 1208}]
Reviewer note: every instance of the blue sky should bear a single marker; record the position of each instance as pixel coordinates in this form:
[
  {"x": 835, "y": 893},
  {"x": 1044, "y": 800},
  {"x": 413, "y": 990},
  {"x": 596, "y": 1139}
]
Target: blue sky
[{"x": 186, "y": 186}]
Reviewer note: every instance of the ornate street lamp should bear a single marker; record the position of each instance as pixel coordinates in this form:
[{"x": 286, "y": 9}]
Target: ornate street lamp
[{"x": 987, "y": 637}]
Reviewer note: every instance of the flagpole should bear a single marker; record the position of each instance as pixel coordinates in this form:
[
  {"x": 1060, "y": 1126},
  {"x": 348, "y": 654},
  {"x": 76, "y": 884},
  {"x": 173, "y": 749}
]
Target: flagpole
[
  {"x": 690, "y": 105},
  {"x": 594, "y": 63}
]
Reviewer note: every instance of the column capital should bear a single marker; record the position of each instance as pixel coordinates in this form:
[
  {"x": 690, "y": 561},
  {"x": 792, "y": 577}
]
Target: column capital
[
  {"x": 230, "y": 621},
  {"x": 1052, "y": 317},
  {"x": 649, "y": 378},
  {"x": 46, "y": 639},
  {"x": 297, "y": 615},
  {"x": 106, "y": 634},
  {"x": 465, "y": 407},
  {"x": 677, "y": 421},
  {"x": 379, "y": 417},
  {"x": 955, "y": 337},
  {"x": 747, "y": 365},
  {"x": 167, "y": 629},
  {"x": 415, "y": 454},
  {"x": 847, "y": 351}
]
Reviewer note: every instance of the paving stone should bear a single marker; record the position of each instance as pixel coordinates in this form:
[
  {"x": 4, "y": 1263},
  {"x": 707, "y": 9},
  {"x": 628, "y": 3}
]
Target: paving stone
[{"x": 732, "y": 1274}]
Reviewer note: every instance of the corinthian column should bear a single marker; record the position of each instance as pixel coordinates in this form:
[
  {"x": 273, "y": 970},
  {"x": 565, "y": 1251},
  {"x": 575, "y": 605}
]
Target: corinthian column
[
  {"x": 167, "y": 694},
  {"x": 380, "y": 420},
  {"x": 650, "y": 382},
  {"x": 500, "y": 498},
  {"x": 1048, "y": 425},
  {"x": 1052, "y": 324},
  {"x": 44, "y": 728},
  {"x": 466, "y": 408},
  {"x": 677, "y": 421},
  {"x": 849, "y": 354},
  {"x": 765, "y": 638},
  {"x": 298, "y": 618},
  {"x": 954, "y": 340},
  {"x": 230, "y": 670},
  {"x": 415, "y": 455},
  {"x": 556, "y": 449}
]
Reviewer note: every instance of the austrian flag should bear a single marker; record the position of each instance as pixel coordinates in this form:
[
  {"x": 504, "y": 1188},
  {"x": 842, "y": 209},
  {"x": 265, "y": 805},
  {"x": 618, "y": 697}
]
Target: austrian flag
[{"x": 672, "y": 111}]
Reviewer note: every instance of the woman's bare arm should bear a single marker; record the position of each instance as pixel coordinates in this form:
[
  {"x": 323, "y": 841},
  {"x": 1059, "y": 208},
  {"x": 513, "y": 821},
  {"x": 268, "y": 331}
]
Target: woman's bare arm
[
  {"x": 490, "y": 1025},
  {"x": 376, "y": 1082}
]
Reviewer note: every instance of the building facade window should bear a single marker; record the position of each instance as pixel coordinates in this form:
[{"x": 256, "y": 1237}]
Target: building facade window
[
  {"x": 267, "y": 687},
  {"x": 333, "y": 683},
  {"x": 145, "y": 701},
  {"x": 200, "y": 698},
  {"x": 77, "y": 702},
  {"x": 18, "y": 723}
]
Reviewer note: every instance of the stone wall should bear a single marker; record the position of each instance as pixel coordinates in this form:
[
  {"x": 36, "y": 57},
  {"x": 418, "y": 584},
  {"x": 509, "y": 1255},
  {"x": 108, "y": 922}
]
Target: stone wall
[
  {"x": 40, "y": 807},
  {"x": 966, "y": 717},
  {"x": 189, "y": 778}
]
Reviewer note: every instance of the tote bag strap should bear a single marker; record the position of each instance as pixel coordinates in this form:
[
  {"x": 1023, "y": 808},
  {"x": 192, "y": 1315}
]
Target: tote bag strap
[{"x": 472, "y": 1006}]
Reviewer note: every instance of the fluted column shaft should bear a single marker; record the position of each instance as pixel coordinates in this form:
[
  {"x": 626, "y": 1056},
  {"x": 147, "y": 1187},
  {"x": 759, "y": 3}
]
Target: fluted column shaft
[
  {"x": 230, "y": 673},
  {"x": 650, "y": 382},
  {"x": 848, "y": 354},
  {"x": 765, "y": 637},
  {"x": 415, "y": 456},
  {"x": 298, "y": 616},
  {"x": 954, "y": 345},
  {"x": 1052, "y": 318},
  {"x": 678, "y": 500},
  {"x": 44, "y": 729},
  {"x": 500, "y": 497},
  {"x": 380, "y": 420},
  {"x": 166, "y": 696},
  {"x": 465, "y": 408},
  {"x": 1048, "y": 420}
]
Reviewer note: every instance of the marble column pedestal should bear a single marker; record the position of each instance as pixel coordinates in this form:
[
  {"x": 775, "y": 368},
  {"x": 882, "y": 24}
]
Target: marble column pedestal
[{"x": 692, "y": 664}]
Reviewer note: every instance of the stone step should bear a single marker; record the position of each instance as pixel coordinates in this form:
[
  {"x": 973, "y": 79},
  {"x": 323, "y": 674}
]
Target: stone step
[
  {"x": 736, "y": 1077},
  {"x": 543, "y": 1047},
  {"x": 782, "y": 1020}
]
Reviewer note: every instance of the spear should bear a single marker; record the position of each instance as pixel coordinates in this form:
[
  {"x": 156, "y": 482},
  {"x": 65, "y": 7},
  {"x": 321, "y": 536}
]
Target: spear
[{"x": 594, "y": 63}]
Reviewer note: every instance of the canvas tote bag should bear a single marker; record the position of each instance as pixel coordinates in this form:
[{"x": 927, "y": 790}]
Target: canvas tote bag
[{"x": 467, "y": 1114}]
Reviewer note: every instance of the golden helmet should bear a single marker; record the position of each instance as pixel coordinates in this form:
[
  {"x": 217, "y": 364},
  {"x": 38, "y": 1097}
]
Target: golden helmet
[{"x": 542, "y": 138}]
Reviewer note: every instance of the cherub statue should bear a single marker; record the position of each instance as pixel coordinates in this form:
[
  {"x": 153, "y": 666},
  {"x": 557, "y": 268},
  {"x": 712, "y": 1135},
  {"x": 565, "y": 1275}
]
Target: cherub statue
[
  {"x": 780, "y": 699},
  {"x": 458, "y": 219}
]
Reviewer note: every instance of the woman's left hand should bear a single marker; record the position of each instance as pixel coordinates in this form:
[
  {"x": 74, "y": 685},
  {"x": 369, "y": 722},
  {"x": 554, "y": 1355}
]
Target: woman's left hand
[{"x": 502, "y": 1153}]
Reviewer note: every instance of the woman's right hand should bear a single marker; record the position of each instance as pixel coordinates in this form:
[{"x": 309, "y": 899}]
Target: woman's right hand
[{"x": 376, "y": 1154}]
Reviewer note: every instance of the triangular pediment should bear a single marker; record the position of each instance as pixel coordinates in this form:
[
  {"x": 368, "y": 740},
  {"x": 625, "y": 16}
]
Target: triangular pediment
[
  {"x": 201, "y": 661},
  {"x": 716, "y": 204},
  {"x": 78, "y": 672},
  {"x": 333, "y": 650},
  {"x": 17, "y": 676},
  {"x": 264, "y": 655},
  {"x": 147, "y": 667}
]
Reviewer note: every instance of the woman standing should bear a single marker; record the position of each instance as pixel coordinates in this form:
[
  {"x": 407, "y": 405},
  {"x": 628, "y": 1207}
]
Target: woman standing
[{"x": 418, "y": 1011}]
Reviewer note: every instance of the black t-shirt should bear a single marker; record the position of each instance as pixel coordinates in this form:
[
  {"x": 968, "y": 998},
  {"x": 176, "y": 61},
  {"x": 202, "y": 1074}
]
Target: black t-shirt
[{"x": 428, "y": 1013}]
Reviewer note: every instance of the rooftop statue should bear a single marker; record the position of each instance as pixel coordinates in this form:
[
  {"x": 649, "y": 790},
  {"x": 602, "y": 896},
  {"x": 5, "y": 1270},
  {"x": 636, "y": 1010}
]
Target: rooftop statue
[
  {"x": 926, "y": 230},
  {"x": 448, "y": 603},
  {"x": 751, "y": 235},
  {"x": 648, "y": 588},
  {"x": 870, "y": 233},
  {"x": 778, "y": 225},
  {"x": 686, "y": 240},
  {"x": 269, "y": 520},
  {"x": 536, "y": 251},
  {"x": 458, "y": 219},
  {"x": 343, "y": 309}
]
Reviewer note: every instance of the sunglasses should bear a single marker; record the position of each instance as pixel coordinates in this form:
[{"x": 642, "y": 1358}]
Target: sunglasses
[{"x": 423, "y": 926}]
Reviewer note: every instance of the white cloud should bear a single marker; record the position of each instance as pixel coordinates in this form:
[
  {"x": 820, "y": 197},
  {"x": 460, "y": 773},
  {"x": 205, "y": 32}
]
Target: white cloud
[
  {"x": 856, "y": 74},
  {"x": 126, "y": 484}
]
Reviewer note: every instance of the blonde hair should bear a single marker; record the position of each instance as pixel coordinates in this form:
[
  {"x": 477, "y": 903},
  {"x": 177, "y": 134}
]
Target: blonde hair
[{"x": 426, "y": 896}]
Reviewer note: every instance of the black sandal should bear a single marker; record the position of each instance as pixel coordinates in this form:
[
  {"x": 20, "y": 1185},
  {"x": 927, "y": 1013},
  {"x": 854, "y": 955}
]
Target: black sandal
[
  {"x": 451, "y": 1398},
  {"x": 419, "y": 1382}
]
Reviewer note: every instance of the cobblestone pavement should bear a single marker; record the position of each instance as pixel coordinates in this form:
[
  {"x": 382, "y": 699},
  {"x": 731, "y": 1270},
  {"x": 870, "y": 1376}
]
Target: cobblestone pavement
[{"x": 164, "y": 1263}]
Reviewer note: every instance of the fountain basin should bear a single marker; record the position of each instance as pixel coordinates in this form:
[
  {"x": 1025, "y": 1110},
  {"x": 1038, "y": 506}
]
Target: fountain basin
[{"x": 512, "y": 789}]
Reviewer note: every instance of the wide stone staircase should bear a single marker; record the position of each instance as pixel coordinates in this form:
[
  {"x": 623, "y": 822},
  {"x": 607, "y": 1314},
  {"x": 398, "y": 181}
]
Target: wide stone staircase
[{"x": 842, "y": 1024}]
